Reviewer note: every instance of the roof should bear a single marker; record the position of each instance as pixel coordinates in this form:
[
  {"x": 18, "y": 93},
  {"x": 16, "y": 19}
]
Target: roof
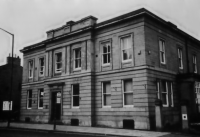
[{"x": 123, "y": 17}]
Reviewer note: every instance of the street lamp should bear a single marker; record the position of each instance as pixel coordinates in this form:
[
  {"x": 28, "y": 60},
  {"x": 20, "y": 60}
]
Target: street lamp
[{"x": 8, "y": 125}]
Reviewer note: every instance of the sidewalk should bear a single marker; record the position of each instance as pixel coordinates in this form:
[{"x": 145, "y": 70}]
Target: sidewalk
[{"x": 94, "y": 130}]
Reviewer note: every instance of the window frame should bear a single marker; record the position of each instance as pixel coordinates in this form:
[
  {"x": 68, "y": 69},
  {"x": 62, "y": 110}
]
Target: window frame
[
  {"x": 108, "y": 53},
  {"x": 180, "y": 58},
  {"x": 160, "y": 51},
  {"x": 41, "y": 66},
  {"x": 29, "y": 99},
  {"x": 106, "y": 106},
  {"x": 194, "y": 63},
  {"x": 57, "y": 71},
  {"x": 126, "y": 92},
  {"x": 131, "y": 47},
  {"x": 169, "y": 96},
  {"x": 39, "y": 98},
  {"x": 75, "y": 59},
  {"x": 30, "y": 77},
  {"x": 72, "y": 96}
]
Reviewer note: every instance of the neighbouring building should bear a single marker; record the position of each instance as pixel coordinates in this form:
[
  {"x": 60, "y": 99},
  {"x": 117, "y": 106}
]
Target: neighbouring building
[
  {"x": 5, "y": 88},
  {"x": 110, "y": 73}
]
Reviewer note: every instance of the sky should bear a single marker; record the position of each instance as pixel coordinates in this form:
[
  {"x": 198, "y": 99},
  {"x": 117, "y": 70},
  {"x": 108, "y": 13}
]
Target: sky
[{"x": 29, "y": 20}]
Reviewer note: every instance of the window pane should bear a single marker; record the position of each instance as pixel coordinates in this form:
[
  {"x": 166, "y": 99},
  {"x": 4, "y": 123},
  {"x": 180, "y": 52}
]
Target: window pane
[
  {"x": 41, "y": 102},
  {"x": 75, "y": 89},
  {"x": 41, "y": 61},
  {"x": 79, "y": 63},
  {"x": 163, "y": 86},
  {"x": 130, "y": 54},
  {"x": 105, "y": 58},
  {"x": 108, "y": 47},
  {"x": 128, "y": 85},
  {"x": 59, "y": 65},
  {"x": 126, "y": 44},
  {"x": 106, "y": 88},
  {"x": 125, "y": 54},
  {"x": 77, "y": 53},
  {"x": 75, "y": 100},
  {"x": 58, "y": 57},
  {"x": 128, "y": 98},
  {"x": 108, "y": 57},
  {"x": 105, "y": 50},
  {"x": 30, "y": 94},
  {"x": 107, "y": 100},
  {"x": 164, "y": 98},
  {"x": 30, "y": 103},
  {"x": 169, "y": 92}
]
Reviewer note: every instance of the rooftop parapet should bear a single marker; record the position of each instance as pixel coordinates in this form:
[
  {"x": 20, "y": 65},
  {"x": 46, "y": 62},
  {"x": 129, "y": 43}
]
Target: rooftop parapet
[{"x": 72, "y": 26}]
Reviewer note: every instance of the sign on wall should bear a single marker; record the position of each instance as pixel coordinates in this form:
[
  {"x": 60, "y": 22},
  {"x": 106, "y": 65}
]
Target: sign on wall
[{"x": 6, "y": 105}]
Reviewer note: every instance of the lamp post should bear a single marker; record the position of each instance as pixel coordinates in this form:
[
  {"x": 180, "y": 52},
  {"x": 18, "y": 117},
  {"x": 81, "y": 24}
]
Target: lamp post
[{"x": 11, "y": 85}]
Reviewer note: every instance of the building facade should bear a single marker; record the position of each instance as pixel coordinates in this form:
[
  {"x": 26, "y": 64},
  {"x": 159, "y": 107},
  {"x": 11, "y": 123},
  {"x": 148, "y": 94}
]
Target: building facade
[
  {"x": 110, "y": 73},
  {"x": 5, "y": 91}
]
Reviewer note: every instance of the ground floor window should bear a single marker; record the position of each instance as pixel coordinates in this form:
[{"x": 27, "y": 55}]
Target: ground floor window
[
  {"x": 40, "y": 98},
  {"x": 128, "y": 92},
  {"x": 75, "y": 96},
  {"x": 165, "y": 92},
  {"x": 29, "y": 99},
  {"x": 106, "y": 92},
  {"x": 197, "y": 92}
]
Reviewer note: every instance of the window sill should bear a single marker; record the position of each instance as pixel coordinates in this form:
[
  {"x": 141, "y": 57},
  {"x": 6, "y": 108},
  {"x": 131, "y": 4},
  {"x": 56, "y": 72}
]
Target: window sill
[
  {"x": 106, "y": 107},
  {"x": 128, "y": 106},
  {"x": 75, "y": 107},
  {"x": 77, "y": 69},
  {"x": 163, "y": 63},
  {"x": 106, "y": 65},
  {"x": 40, "y": 108},
  {"x": 165, "y": 105},
  {"x": 29, "y": 108},
  {"x": 126, "y": 61}
]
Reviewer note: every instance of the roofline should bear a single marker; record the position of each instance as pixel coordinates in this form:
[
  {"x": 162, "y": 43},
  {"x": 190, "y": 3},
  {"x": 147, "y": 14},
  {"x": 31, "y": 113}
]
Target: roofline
[{"x": 120, "y": 18}]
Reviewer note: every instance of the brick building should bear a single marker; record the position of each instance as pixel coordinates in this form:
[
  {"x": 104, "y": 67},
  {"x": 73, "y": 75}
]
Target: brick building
[
  {"x": 110, "y": 73},
  {"x": 5, "y": 87}
]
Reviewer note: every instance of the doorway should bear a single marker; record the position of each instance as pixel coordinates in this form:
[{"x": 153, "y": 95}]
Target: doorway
[{"x": 55, "y": 105}]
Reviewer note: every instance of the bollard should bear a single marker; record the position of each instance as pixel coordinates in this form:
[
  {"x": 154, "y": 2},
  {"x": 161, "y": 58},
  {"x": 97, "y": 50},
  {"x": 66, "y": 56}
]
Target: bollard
[{"x": 158, "y": 115}]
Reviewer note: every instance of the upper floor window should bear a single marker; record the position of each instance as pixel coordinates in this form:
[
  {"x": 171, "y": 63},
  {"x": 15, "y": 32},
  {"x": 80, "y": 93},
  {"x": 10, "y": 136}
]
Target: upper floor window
[
  {"x": 75, "y": 96},
  {"x": 58, "y": 62},
  {"x": 127, "y": 93},
  {"x": 126, "y": 46},
  {"x": 165, "y": 92},
  {"x": 29, "y": 99},
  {"x": 180, "y": 58},
  {"x": 106, "y": 53},
  {"x": 40, "y": 98},
  {"x": 77, "y": 58},
  {"x": 30, "y": 69},
  {"x": 162, "y": 51},
  {"x": 41, "y": 67},
  {"x": 106, "y": 94},
  {"x": 194, "y": 62}
]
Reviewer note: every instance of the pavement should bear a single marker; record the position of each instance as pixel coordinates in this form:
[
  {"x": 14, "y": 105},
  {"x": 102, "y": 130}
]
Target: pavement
[{"x": 94, "y": 130}]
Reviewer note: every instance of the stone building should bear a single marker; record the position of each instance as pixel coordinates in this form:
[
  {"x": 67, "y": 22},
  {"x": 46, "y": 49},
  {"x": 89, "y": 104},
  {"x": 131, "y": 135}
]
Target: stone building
[
  {"x": 110, "y": 73},
  {"x": 5, "y": 87}
]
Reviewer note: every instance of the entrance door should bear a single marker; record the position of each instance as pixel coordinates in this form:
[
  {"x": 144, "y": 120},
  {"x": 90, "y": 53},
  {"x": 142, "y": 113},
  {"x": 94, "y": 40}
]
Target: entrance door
[{"x": 55, "y": 105}]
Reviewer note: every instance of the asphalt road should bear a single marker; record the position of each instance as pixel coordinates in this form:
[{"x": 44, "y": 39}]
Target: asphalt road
[{"x": 4, "y": 132}]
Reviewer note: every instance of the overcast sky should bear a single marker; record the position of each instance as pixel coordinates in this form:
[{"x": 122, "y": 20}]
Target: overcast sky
[{"x": 29, "y": 20}]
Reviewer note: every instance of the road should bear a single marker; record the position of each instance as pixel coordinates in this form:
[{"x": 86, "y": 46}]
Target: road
[{"x": 35, "y": 133}]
